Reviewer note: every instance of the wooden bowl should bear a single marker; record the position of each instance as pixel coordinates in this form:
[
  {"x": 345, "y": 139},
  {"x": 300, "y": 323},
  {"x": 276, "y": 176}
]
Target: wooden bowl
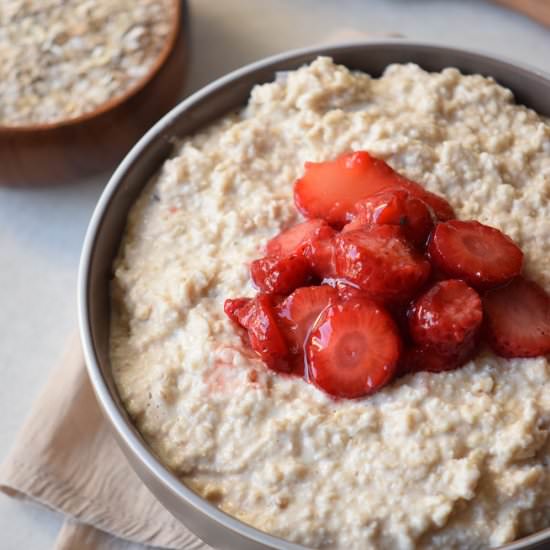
[{"x": 97, "y": 141}]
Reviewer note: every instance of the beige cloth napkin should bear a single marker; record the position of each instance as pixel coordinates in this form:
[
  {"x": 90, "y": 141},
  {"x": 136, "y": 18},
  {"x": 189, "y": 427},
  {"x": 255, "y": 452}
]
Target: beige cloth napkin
[{"x": 66, "y": 459}]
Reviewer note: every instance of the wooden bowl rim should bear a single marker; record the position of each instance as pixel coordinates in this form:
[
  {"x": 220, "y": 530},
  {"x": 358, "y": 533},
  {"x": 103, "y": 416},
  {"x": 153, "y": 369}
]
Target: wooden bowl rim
[{"x": 113, "y": 103}]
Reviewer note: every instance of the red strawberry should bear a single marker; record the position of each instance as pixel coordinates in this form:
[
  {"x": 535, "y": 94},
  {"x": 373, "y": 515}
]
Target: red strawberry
[
  {"x": 481, "y": 255},
  {"x": 399, "y": 312},
  {"x": 296, "y": 364},
  {"x": 320, "y": 255},
  {"x": 358, "y": 222},
  {"x": 353, "y": 349},
  {"x": 441, "y": 208},
  {"x": 259, "y": 319},
  {"x": 395, "y": 207},
  {"x": 446, "y": 317},
  {"x": 348, "y": 292},
  {"x": 331, "y": 189},
  {"x": 518, "y": 319},
  {"x": 427, "y": 358},
  {"x": 275, "y": 275},
  {"x": 293, "y": 239},
  {"x": 233, "y": 308},
  {"x": 300, "y": 310},
  {"x": 381, "y": 262}
]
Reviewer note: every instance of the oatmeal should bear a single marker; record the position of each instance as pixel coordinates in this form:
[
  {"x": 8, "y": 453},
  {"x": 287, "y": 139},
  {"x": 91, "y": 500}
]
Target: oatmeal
[
  {"x": 64, "y": 58},
  {"x": 449, "y": 460}
]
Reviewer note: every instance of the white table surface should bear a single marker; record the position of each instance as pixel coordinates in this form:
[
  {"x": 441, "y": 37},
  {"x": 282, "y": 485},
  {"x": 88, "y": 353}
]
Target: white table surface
[{"x": 41, "y": 230}]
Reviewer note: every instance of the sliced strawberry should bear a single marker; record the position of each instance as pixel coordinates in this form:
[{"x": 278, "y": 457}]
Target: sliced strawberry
[
  {"x": 381, "y": 262},
  {"x": 441, "y": 208},
  {"x": 299, "y": 311},
  {"x": 518, "y": 319},
  {"x": 446, "y": 317},
  {"x": 427, "y": 358},
  {"x": 353, "y": 349},
  {"x": 293, "y": 239},
  {"x": 349, "y": 292},
  {"x": 259, "y": 319},
  {"x": 320, "y": 255},
  {"x": 331, "y": 189},
  {"x": 399, "y": 312},
  {"x": 275, "y": 275},
  {"x": 234, "y": 307},
  {"x": 395, "y": 207},
  {"x": 358, "y": 222},
  {"x": 297, "y": 364},
  {"x": 481, "y": 255}
]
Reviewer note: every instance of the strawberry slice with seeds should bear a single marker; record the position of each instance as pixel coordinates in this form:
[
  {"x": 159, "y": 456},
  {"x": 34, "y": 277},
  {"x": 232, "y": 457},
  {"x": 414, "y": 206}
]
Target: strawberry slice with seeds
[
  {"x": 353, "y": 349},
  {"x": 292, "y": 240},
  {"x": 395, "y": 207},
  {"x": 447, "y": 316},
  {"x": 299, "y": 311},
  {"x": 481, "y": 255},
  {"x": 518, "y": 319},
  {"x": 234, "y": 307},
  {"x": 266, "y": 338},
  {"x": 381, "y": 262},
  {"x": 276, "y": 275},
  {"x": 330, "y": 190}
]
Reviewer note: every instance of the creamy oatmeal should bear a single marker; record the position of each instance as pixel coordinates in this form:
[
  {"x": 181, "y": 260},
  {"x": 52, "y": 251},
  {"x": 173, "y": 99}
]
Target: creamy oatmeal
[{"x": 450, "y": 460}]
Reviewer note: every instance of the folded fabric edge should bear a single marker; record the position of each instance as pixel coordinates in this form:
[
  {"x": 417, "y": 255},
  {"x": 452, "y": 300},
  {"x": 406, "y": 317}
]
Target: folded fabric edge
[
  {"x": 28, "y": 482},
  {"x": 75, "y": 535}
]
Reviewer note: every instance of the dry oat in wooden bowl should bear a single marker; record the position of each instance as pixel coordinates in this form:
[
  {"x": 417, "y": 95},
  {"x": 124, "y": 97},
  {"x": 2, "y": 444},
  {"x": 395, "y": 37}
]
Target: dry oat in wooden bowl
[{"x": 81, "y": 80}]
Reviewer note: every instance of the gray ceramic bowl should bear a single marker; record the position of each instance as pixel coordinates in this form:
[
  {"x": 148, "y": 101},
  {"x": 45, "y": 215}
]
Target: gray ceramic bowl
[{"x": 220, "y": 530}]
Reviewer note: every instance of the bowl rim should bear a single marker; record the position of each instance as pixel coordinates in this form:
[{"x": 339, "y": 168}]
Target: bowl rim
[
  {"x": 176, "y": 26},
  {"x": 116, "y": 418}
]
